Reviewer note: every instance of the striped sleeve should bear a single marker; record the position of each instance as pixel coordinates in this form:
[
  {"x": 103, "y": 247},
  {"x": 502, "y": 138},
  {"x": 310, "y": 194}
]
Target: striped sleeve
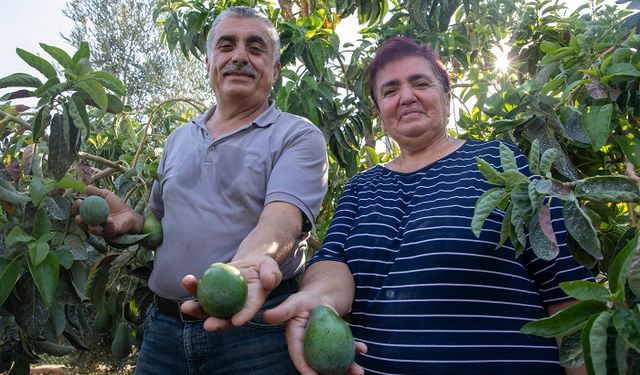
[{"x": 341, "y": 224}]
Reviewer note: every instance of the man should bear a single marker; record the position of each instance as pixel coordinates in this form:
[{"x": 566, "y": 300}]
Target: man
[{"x": 240, "y": 184}]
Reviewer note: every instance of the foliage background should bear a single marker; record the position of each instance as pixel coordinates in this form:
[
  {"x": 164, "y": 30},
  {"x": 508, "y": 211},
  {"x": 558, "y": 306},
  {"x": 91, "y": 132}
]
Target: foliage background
[{"x": 101, "y": 115}]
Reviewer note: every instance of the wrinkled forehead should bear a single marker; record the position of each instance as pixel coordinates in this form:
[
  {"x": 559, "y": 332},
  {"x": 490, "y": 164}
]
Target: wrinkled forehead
[
  {"x": 413, "y": 66},
  {"x": 245, "y": 29}
]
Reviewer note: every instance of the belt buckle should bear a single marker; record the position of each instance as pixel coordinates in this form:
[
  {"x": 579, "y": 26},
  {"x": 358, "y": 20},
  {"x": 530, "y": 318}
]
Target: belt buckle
[{"x": 186, "y": 318}]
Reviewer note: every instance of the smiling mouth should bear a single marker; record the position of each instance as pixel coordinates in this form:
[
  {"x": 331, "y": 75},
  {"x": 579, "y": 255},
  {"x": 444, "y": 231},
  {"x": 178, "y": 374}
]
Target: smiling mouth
[
  {"x": 412, "y": 113},
  {"x": 239, "y": 75}
]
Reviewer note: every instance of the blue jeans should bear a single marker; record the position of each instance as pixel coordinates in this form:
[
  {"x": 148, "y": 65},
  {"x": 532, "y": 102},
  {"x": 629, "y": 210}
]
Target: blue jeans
[{"x": 172, "y": 347}]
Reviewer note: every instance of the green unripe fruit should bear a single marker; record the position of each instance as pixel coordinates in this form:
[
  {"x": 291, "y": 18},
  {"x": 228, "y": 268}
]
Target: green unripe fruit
[
  {"x": 329, "y": 347},
  {"x": 121, "y": 344},
  {"x": 153, "y": 228},
  {"x": 103, "y": 320},
  {"x": 222, "y": 291},
  {"x": 94, "y": 210}
]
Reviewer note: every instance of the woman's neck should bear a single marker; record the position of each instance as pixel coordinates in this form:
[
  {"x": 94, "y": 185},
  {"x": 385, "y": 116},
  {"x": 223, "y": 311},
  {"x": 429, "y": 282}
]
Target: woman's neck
[{"x": 413, "y": 160}]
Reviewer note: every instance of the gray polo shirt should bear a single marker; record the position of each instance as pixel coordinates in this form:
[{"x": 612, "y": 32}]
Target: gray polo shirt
[{"x": 212, "y": 191}]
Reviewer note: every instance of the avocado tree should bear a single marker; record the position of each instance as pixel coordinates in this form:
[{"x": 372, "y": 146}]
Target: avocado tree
[
  {"x": 577, "y": 117},
  {"x": 60, "y": 288},
  {"x": 569, "y": 100}
]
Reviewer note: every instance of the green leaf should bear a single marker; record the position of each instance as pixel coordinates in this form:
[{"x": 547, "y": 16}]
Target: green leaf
[
  {"x": 109, "y": 81},
  {"x": 126, "y": 239},
  {"x": 537, "y": 192},
  {"x": 607, "y": 189},
  {"x": 585, "y": 290},
  {"x": 514, "y": 177},
  {"x": 598, "y": 343},
  {"x": 579, "y": 254},
  {"x": 69, "y": 182},
  {"x": 98, "y": 278},
  {"x": 41, "y": 223},
  {"x": 507, "y": 158},
  {"x": 571, "y": 351},
  {"x": 534, "y": 157},
  {"x": 37, "y": 62},
  {"x": 490, "y": 173},
  {"x": 586, "y": 345},
  {"x": 19, "y": 80},
  {"x": 621, "y": 349},
  {"x": 548, "y": 47},
  {"x": 17, "y": 235},
  {"x": 581, "y": 229},
  {"x": 487, "y": 202},
  {"x": 521, "y": 213},
  {"x": 505, "y": 227},
  {"x": 617, "y": 271},
  {"x": 546, "y": 161},
  {"x": 597, "y": 123},
  {"x": 565, "y": 321},
  {"x": 10, "y": 270},
  {"x": 114, "y": 105},
  {"x": 79, "y": 279},
  {"x": 63, "y": 139},
  {"x": 79, "y": 115},
  {"x": 39, "y": 188},
  {"x": 83, "y": 52},
  {"x": 633, "y": 273},
  {"x": 45, "y": 275},
  {"x": 96, "y": 92},
  {"x": 541, "y": 235},
  {"x": 38, "y": 252},
  {"x": 41, "y": 122},
  {"x": 623, "y": 69},
  {"x": 52, "y": 348},
  {"x": 8, "y": 194},
  {"x": 65, "y": 257},
  {"x": 51, "y": 89},
  {"x": 626, "y": 323},
  {"x": 59, "y": 55},
  {"x": 630, "y": 146}
]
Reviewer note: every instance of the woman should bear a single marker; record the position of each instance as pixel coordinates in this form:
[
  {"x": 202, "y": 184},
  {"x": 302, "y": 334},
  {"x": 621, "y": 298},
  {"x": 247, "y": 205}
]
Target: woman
[{"x": 425, "y": 295}]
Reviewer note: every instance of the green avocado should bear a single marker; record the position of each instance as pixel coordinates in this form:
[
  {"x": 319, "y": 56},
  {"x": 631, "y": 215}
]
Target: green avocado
[
  {"x": 222, "y": 291},
  {"x": 329, "y": 347},
  {"x": 103, "y": 320},
  {"x": 94, "y": 210},
  {"x": 121, "y": 344},
  {"x": 153, "y": 228}
]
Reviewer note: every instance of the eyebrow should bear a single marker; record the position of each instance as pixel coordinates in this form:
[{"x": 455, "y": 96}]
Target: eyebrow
[
  {"x": 251, "y": 39},
  {"x": 411, "y": 78}
]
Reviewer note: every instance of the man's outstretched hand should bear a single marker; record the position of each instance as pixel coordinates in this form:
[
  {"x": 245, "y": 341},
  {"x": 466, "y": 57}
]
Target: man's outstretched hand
[
  {"x": 262, "y": 275},
  {"x": 122, "y": 219}
]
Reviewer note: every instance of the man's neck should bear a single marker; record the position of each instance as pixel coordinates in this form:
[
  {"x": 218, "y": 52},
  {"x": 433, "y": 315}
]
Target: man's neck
[{"x": 228, "y": 117}]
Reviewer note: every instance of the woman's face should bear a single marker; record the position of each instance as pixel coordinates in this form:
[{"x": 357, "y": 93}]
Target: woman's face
[{"x": 411, "y": 102}]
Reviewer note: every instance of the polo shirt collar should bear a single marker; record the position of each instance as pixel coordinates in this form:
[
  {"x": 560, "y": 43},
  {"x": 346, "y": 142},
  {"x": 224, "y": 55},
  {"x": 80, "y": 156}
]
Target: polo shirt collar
[{"x": 265, "y": 119}]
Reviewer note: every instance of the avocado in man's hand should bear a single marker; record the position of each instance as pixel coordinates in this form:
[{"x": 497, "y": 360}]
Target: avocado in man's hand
[
  {"x": 94, "y": 210},
  {"x": 329, "y": 347},
  {"x": 222, "y": 291}
]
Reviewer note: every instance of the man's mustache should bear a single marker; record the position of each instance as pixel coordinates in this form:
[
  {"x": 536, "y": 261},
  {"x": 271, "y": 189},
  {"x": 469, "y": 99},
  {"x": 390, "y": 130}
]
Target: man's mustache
[{"x": 234, "y": 68}]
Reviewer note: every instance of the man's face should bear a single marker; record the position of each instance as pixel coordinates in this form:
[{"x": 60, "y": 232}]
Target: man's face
[{"x": 241, "y": 65}]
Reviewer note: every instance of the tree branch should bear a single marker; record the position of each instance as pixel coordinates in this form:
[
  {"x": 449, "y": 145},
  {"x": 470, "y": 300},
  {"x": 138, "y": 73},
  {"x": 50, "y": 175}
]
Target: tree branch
[
  {"x": 15, "y": 119},
  {"x": 113, "y": 165}
]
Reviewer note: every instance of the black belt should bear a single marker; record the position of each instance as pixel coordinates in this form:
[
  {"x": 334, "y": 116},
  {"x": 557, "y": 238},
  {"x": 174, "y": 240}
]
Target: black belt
[{"x": 172, "y": 307}]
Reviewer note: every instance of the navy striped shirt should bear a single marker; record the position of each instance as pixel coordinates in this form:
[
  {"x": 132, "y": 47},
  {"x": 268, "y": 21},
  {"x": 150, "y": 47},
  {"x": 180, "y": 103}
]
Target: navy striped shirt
[{"x": 430, "y": 297}]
